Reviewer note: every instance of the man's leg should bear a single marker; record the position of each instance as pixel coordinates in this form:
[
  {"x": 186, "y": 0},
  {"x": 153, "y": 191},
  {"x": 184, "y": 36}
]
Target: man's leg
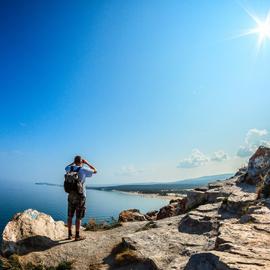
[
  {"x": 80, "y": 212},
  {"x": 78, "y": 225},
  {"x": 69, "y": 225},
  {"x": 71, "y": 211}
]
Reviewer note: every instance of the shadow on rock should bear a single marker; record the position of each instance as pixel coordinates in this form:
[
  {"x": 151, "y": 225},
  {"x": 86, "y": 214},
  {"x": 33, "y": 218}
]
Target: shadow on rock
[
  {"x": 30, "y": 244},
  {"x": 204, "y": 260},
  {"x": 124, "y": 257},
  {"x": 194, "y": 224}
]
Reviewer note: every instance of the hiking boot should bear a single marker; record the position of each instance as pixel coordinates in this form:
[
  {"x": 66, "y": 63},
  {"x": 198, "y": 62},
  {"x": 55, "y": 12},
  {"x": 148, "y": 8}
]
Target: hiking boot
[
  {"x": 69, "y": 234},
  {"x": 79, "y": 238}
]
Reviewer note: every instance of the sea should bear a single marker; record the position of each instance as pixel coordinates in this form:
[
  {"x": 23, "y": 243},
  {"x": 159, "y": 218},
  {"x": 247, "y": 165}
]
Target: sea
[{"x": 102, "y": 205}]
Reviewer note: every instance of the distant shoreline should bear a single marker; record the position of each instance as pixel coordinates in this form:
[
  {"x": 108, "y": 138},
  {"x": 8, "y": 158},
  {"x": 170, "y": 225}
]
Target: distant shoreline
[
  {"x": 168, "y": 190},
  {"x": 134, "y": 193},
  {"x": 149, "y": 195}
]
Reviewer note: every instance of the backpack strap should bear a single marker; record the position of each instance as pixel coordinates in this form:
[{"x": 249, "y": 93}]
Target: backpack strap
[{"x": 72, "y": 169}]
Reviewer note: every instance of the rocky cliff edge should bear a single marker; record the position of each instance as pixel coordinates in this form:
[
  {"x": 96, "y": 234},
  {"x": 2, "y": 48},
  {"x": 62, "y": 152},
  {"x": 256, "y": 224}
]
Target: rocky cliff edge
[{"x": 225, "y": 225}]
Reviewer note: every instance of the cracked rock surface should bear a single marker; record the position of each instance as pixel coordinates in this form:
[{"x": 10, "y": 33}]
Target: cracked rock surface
[{"x": 225, "y": 226}]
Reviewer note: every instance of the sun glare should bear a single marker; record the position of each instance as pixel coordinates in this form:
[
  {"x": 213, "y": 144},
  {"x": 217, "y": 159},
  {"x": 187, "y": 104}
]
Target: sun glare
[{"x": 262, "y": 28}]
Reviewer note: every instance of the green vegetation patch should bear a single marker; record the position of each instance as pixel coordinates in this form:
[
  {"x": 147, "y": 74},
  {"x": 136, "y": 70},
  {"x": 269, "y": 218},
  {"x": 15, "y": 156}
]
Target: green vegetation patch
[
  {"x": 94, "y": 225},
  {"x": 148, "y": 226}
]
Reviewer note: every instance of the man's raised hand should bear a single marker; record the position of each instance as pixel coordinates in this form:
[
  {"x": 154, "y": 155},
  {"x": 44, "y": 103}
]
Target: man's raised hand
[{"x": 88, "y": 164}]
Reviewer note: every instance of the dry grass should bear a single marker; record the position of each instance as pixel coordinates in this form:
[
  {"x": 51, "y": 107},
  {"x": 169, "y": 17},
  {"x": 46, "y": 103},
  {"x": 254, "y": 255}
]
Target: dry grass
[
  {"x": 13, "y": 263},
  {"x": 126, "y": 257}
]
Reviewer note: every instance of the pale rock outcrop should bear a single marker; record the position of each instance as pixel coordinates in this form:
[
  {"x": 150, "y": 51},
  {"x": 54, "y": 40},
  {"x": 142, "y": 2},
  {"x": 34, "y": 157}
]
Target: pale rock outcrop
[
  {"x": 165, "y": 246},
  {"x": 201, "y": 220},
  {"x": 214, "y": 191},
  {"x": 238, "y": 246},
  {"x": 175, "y": 208},
  {"x": 224, "y": 227},
  {"x": 31, "y": 230},
  {"x": 195, "y": 198},
  {"x": 227, "y": 228},
  {"x": 93, "y": 253},
  {"x": 240, "y": 199}
]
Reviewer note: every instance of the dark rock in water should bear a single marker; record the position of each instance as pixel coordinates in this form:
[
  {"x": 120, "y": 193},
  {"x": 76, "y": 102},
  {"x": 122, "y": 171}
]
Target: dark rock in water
[{"x": 131, "y": 215}]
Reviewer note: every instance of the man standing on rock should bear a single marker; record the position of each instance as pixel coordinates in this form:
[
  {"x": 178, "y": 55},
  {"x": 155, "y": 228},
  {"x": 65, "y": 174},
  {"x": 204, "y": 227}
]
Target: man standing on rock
[{"x": 76, "y": 200}]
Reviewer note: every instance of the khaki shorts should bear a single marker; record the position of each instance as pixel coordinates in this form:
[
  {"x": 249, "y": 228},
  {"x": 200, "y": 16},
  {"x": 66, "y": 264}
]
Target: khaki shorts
[{"x": 76, "y": 203}]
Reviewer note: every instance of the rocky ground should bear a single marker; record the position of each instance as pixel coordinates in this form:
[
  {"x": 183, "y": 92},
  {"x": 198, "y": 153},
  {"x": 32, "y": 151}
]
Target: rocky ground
[{"x": 225, "y": 225}]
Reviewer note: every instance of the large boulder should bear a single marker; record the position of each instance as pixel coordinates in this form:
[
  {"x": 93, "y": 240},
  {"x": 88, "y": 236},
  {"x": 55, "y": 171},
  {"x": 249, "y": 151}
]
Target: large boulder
[
  {"x": 240, "y": 199},
  {"x": 258, "y": 165},
  {"x": 164, "y": 245},
  {"x": 204, "y": 219},
  {"x": 31, "y": 230},
  {"x": 195, "y": 198},
  {"x": 131, "y": 215},
  {"x": 175, "y": 208},
  {"x": 152, "y": 215}
]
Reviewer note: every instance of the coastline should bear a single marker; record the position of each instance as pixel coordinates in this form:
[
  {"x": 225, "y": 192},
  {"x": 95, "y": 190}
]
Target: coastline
[{"x": 150, "y": 195}]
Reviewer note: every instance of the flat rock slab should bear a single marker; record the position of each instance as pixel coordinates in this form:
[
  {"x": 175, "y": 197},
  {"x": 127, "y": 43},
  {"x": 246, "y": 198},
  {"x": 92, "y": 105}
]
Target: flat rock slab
[
  {"x": 87, "y": 253},
  {"x": 215, "y": 260},
  {"x": 166, "y": 246}
]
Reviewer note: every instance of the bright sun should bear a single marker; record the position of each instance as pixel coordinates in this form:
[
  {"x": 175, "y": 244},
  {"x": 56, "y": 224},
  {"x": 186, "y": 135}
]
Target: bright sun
[{"x": 262, "y": 28}]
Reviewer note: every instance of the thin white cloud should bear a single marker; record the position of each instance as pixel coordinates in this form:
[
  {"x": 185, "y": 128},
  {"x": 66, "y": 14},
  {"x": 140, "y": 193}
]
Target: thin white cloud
[
  {"x": 196, "y": 159},
  {"x": 254, "y": 138},
  {"x": 219, "y": 156},
  {"x": 128, "y": 170}
]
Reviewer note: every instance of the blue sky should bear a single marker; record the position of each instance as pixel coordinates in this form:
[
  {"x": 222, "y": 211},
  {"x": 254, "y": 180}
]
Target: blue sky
[{"x": 145, "y": 90}]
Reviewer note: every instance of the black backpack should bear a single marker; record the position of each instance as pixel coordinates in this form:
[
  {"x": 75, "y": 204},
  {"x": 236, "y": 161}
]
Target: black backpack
[{"x": 72, "y": 181}]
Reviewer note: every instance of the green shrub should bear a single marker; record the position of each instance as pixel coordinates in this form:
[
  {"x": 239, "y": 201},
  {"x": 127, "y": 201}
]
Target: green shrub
[
  {"x": 148, "y": 226},
  {"x": 94, "y": 225}
]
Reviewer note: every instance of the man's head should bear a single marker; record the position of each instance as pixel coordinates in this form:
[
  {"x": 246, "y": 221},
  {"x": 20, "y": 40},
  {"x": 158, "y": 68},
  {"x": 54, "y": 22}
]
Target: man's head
[{"x": 78, "y": 161}]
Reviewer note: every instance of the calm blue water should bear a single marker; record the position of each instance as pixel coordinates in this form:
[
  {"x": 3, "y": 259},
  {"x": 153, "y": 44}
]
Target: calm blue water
[{"x": 53, "y": 201}]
